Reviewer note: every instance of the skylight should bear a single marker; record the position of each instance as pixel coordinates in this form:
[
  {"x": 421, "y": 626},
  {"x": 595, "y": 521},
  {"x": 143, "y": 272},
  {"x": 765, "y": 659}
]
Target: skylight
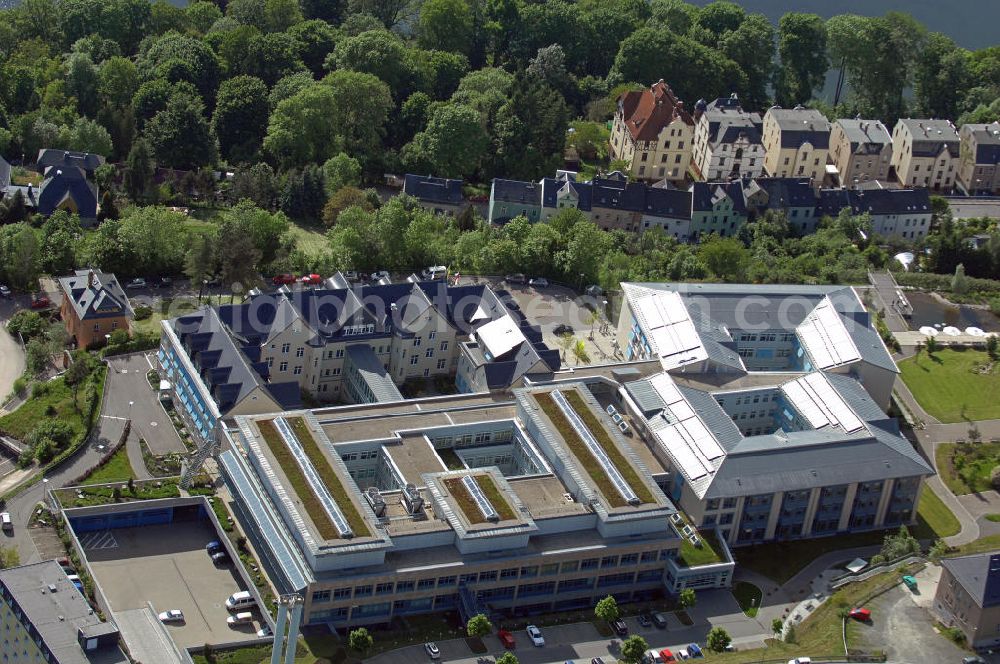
[
  {"x": 825, "y": 337},
  {"x": 669, "y": 329},
  {"x": 820, "y": 404}
]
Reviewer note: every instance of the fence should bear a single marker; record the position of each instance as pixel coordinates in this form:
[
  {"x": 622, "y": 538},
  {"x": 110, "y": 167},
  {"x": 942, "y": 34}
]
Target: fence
[{"x": 851, "y": 577}]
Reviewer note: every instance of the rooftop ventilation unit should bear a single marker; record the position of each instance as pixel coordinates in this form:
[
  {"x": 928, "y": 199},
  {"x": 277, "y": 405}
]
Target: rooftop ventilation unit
[
  {"x": 375, "y": 499},
  {"x": 595, "y": 449},
  {"x": 411, "y": 500},
  {"x": 472, "y": 486}
]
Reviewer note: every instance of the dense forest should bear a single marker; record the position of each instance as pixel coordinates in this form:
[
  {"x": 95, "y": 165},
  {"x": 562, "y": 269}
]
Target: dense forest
[{"x": 306, "y": 102}]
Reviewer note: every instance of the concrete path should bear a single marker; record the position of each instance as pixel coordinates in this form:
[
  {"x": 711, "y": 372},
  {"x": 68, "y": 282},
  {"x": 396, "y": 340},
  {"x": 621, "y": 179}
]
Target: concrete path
[{"x": 11, "y": 362}]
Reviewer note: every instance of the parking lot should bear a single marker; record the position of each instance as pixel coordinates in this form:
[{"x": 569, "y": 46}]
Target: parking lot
[{"x": 167, "y": 566}]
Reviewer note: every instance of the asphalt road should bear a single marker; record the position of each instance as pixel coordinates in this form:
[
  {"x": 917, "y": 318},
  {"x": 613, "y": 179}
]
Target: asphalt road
[{"x": 11, "y": 353}]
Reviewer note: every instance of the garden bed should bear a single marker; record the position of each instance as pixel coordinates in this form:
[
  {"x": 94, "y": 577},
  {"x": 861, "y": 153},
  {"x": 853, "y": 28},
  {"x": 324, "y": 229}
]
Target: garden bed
[
  {"x": 468, "y": 505},
  {"x": 966, "y": 467}
]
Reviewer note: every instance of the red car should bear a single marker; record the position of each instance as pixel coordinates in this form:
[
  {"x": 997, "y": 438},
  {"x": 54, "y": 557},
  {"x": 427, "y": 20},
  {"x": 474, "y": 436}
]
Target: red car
[
  {"x": 864, "y": 615},
  {"x": 667, "y": 656},
  {"x": 312, "y": 280},
  {"x": 283, "y": 279},
  {"x": 506, "y": 638},
  {"x": 40, "y": 301}
]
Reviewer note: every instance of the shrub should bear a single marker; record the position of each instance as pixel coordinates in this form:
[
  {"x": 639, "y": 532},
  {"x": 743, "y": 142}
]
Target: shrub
[
  {"x": 142, "y": 312},
  {"x": 718, "y": 639},
  {"x": 995, "y": 477},
  {"x": 27, "y": 323}
]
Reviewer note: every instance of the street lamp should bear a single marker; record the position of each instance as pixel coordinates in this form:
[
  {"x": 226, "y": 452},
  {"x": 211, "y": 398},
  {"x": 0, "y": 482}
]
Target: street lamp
[
  {"x": 107, "y": 340},
  {"x": 201, "y": 288}
]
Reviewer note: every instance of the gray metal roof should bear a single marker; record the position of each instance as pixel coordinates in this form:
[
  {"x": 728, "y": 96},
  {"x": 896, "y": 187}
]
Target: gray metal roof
[
  {"x": 95, "y": 294},
  {"x": 861, "y": 133},
  {"x": 979, "y": 575},
  {"x": 147, "y": 638},
  {"x": 373, "y": 373},
  {"x": 58, "y": 616}
]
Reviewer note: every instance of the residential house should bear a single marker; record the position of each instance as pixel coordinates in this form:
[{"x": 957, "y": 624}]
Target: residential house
[
  {"x": 718, "y": 208},
  {"x": 796, "y": 143},
  {"x": 512, "y": 198},
  {"x": 925, "y": 153},
  {"x": 68, "y": 183},
  {"x": 795, "y": 197},
  {"x": 968, "y": 597},
  {"x": 861, "y": 150},
  {"x": 727, "y": 140},
  {"x": 616, "y": 203},
  {"x": 93, "y": 306},
  {"x": 904, "y": 213},
  {"x": 437, "y": 195},
  {"x": 653, "y": 133},
  {"x": 668, "y": 209},
  {"x": 563, "y": 191},
  {"x": 979, "y": 158}
]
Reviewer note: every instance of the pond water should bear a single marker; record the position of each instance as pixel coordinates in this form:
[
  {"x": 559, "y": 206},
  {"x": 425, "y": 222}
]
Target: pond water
[{"x": 927, "y": 310}]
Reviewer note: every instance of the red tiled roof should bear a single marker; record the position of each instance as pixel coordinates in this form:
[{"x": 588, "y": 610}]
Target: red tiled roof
[{"x": 648, "y": 111}]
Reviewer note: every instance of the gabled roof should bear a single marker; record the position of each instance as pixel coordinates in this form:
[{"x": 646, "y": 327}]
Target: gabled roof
[
  {"x": 515, "y": 191},
  {"x": 987, "y": 138},
  {"x": 865, "y": 136},
  {"x": 647, "y": 112},
  {"x": 932, "y": 137},
  {"x": 876, "y": 202},
  {"x": 95, "y": 294},
  {"x": 727, "y": 122},
  {"x": 800, "y": 125},
  {"x": 62, "y": 184},
  {"x": 784, "y": 193},
  {"x": 430, "y": 189},
  {"x": 979, "y": 575},
  {"x": 617, "y": 194},
  {"x": 552, "y": 187},
  {"x": 670, "y": 203},
  {"x": 86, "y": 162},
  {"x": 706, "y": 194}
]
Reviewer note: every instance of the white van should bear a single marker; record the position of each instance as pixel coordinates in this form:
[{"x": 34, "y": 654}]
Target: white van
[
  {"x": 240, "y": 619},
  {"x": 240, "y": 600},
  {"x": 435, "y": 273},
  {"x": 5, "y": 521},
  {"x": 652, "y": 657}
]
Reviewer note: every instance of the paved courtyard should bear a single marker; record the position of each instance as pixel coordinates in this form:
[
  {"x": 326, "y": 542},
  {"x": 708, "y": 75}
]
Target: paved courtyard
[
  {"x": 130, "y": 396},
  {"x": 167, "y": 566}
]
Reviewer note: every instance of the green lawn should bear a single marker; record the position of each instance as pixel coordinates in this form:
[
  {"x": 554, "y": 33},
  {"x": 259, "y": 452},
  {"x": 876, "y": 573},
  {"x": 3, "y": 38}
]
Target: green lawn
[
  {"x": 707, "y": 554},
  {"x": 748, "y": 596},
  {"x": 310, "y": 239},
  {"x": 949, "y": 386},
  {"x": 988, "y": 543},
  {"x": 995, "y": 518},
  {"x": 117, "y": 469},
  {"x": 934, "y": 519},
  {"x": 57, "y": 402},
  {"x": 965, "y": 468}
]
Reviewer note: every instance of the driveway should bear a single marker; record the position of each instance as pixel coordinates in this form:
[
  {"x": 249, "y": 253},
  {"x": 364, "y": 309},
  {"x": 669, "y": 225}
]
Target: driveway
[
  {"x": 129, "y": 396},
  {"x": 904, "y": 629},
  {"x": 11, "y": 353}
]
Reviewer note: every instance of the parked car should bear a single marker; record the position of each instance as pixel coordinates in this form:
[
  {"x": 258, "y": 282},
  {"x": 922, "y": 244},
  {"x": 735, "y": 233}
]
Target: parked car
[
  {"x": 535, "y": 635},
  {"x": 800, "y": 660},
  {"x": 434, "y": 273},
  {"x": 910, "y": 582},
  {"x": 506, "y": 639},
  {"x": 165, "y": 282},
  {"x": 240, "y": 619},
  {"x": 138, "y": 282},
  {"x": 694, "y": 650},
  {"x": 596, "y": 660},
  {"x": 240, "y": 600},
  {"x": 861, "y": 614},
  {"x": 214, "y": 547},
  {"x": 660, "y": 620},
  {"x": 264, "y": 631},
  {"x": 432, "y": 650},
  {"x": 6, "y": 522},
  {"x": 682, "y": 654},
  {"x": 171, "y": 616},
  {"x": 220, "y": 557},
  {"x": 652, "y": 657},
  {"x": 312, "y": 280},
  {"x": 381, "y": 274},
  {"x": 75, "y": 580},
  {"x": 645, "y": 620},
  {"x": 619, "y": 626},
  {"x": 561, "y": 329},
  {"x": 973, "y": 659},
  {"x": 667, "y": 656},
  {"x": 4, "y": 291},
  {"x": 516, "y": 278},
  {"x": 286, "y": 279},
  {"x": 539, "y": 282},
  {"x": 40, "y": 301}
]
